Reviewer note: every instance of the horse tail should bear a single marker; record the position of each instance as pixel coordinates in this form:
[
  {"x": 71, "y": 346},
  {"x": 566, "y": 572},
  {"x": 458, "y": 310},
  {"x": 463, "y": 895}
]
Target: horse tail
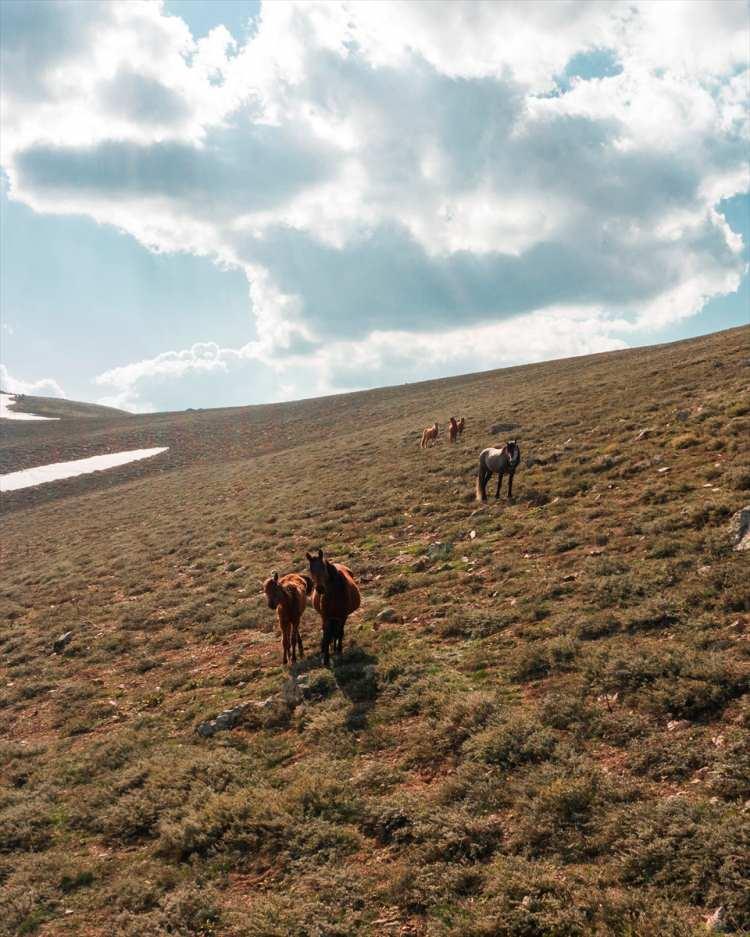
[
  {"x": 309, "y": 585},
  {"x": 480, "y": 478}
]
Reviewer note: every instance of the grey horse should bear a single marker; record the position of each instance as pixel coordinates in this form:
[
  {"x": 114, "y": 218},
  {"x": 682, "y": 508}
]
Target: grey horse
[{"x": 501, "y": 461}]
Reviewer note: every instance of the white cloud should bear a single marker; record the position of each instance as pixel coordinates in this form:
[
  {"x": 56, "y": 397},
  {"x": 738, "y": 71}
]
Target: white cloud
[
  {"x": 410, "y": 169},
  {"x": 45, "y": 387}
]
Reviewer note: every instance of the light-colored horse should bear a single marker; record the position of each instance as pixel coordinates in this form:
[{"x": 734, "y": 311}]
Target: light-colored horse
[
  {"x": 429, "y": 435},
  {"x": 501, "y": 461}
]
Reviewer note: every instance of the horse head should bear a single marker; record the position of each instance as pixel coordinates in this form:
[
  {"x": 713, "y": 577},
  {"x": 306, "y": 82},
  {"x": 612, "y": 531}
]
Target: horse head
[
  {"x": 272, "y": 590},
  {"x": 321, "y": 571},
  {"x": 514, "y": 452}
]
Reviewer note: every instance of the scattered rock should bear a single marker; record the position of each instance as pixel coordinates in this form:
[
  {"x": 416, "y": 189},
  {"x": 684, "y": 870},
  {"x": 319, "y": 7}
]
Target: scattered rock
[
  {"x": 715, "y": 923},
  {"x": 643, "y": 434},
  {"x": 662, "y": 470},
  {"x": 387, "y": 614},
  {"x": 262, "y": 714},
  {"x": 739, "y": 527},
  {"x": 440, "y": 551},
  {"x": 62, "y": 642},
  {"x": 225, "y": 720},
  {"x": 472, "y": 535},
  {"x": 677, "y": 724},
  {"x": 682, "y": 415}
]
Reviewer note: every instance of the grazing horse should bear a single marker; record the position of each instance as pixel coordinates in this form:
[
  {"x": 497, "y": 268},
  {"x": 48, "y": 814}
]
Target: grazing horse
[
  {"x": 460, "y": 425},
  {"x": 335, "y": 597},
  {"x": 453, "y": 429},
  {"x": 288, "y": 596},
  {"x": 500, "y": 461},
  {"x": 429, "y": 435}
]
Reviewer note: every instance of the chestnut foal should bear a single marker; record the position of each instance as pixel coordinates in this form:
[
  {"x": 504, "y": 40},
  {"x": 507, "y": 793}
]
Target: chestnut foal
[{"x": 288, "y": 596}]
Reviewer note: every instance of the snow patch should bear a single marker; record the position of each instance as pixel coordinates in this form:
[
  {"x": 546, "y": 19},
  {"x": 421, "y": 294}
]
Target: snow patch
[
  {"x": 42, "y": 474},
  {"x": 7, "y": 414}
]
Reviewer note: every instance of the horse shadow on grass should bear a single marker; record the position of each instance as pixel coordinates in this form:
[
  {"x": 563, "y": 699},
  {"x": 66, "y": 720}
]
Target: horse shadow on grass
[{"x": 354, "y": 673}]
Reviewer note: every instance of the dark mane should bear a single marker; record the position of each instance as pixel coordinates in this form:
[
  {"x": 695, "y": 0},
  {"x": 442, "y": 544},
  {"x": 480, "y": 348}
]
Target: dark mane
[{"x": 335, "y": 579}]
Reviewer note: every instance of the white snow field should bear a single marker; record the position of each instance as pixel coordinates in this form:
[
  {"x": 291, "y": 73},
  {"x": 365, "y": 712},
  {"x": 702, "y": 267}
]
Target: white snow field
[
  {"x": 27, "y": 478},
  {"x": 7, "y": 414}
]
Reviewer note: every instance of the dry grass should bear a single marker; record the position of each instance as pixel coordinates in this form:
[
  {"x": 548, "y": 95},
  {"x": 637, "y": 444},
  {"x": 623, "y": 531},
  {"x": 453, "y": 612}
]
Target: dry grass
[{"x": 498, "y": 763}]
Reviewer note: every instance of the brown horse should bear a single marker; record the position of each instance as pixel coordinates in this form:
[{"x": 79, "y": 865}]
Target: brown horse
[
  {"x": 429, "y": 435},
  {"x": 288, "y": 596},
  {"x": 453, "y": 429},
  {"x": 460, "y": 425},
  {"x": 335, "y": 597}
]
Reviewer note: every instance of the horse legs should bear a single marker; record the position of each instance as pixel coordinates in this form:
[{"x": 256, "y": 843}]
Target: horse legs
[
  {"x": 499, "y": 482},
  {"x": 298, "y": 638},
  {"x": 285, "y": 629},
  {"x": 329, "y": 634},
  {"x": 510, "y": 485},
  {"x": 339, "y": 644}
]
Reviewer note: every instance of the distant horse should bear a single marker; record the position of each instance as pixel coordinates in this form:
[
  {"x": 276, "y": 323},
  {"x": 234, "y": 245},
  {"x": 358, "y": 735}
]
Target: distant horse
[
  {"x": 461, "y": 423},
  {"x": 500, "y": 461},
  {"x": 429, "y": 435},
  {"x": 288, "y": 596},
  {"x": 453, "y": 430},
  {"x": 335, "y": 597}
]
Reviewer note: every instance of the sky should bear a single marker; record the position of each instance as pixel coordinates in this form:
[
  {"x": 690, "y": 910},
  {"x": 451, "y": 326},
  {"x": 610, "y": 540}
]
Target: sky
[{"x": 229, "y": 202}]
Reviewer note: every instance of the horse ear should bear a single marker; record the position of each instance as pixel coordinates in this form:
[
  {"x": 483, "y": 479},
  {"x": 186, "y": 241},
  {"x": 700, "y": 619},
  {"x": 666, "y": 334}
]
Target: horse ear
[
  {"x": 275, "y": 576},
  {"x": 320, "y": 554},
  {"x": 308, "y": 556}
]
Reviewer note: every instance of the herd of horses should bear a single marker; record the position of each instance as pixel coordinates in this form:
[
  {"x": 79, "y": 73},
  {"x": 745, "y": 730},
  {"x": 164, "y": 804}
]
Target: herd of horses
[
  {"x": 430, "y": 433},
  {"x": 335, "y": 593}
]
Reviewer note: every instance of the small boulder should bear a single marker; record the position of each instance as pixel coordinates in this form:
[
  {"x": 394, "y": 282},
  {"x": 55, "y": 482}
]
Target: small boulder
[
  {"x": 682, "y": 415},
  {"x": 387, "y": 614},
  {"x": 677, "y": 724},
  {"x": 225, "y": 720},
  {"x": 62, "y": 642},
  {"x": 739, "y": 527},
  {"x": 643, "y": 434}
]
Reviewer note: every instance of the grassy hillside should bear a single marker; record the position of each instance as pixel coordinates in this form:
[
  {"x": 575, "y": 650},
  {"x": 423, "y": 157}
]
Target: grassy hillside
[
  {"x": 64, "y": 409},
  {"x": 549, "y": 737}
]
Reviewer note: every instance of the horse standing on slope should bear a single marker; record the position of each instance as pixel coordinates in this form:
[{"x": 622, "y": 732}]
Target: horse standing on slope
[
  {"x": 288, "y": 596},
  {"x": 335, "y": 597},
  {"x": 500, "y": 461},
  {"x": 453, "y": 430},
  {"x": 429, "y": 435},
  {"x": 460, "y": 425}
]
